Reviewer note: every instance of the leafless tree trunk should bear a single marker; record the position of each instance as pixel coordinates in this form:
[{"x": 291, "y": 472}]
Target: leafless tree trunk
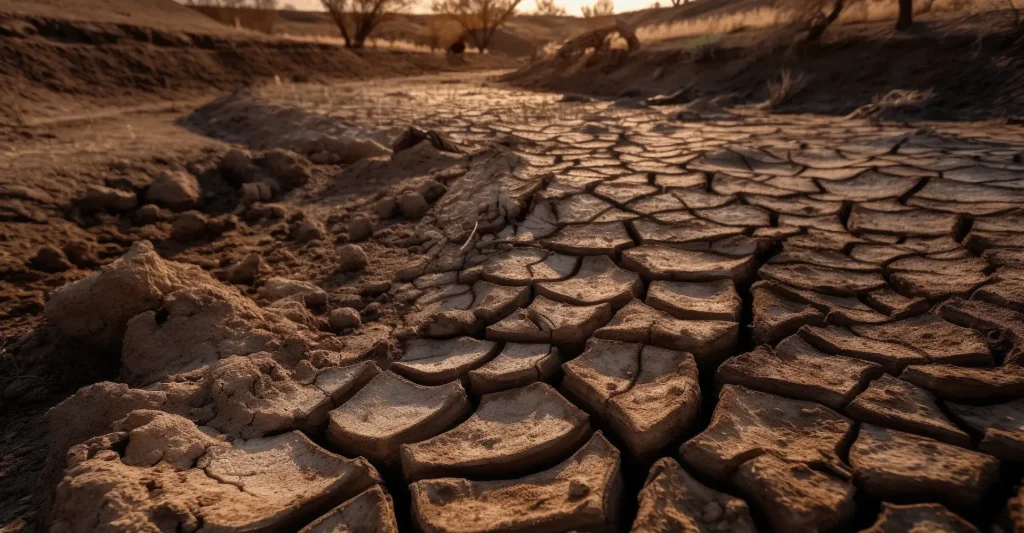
[
  {"x": 906, "y": 18},
  {"x": 357, "y": 19},
  {"x": 821, "y": 24},
  {"x": 480, "y": 19}
]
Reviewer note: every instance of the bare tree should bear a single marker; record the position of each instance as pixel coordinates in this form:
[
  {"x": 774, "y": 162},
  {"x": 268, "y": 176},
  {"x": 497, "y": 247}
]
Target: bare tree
[
  {"x": 601, "y": 8},
  {"x": 441, "y": 33},
  {"x": 906, "y": 17},
  {"x": 821, "y": 22},
  {"x": 815, "y": 16},
  {"x": 549, "y": 7},
  {"x": 356, "y": 19},
  {"x": 479, "y": 19}
]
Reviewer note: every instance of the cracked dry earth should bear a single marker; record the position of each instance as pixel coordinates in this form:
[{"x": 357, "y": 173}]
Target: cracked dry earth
[{"x": 620, "y": 321}]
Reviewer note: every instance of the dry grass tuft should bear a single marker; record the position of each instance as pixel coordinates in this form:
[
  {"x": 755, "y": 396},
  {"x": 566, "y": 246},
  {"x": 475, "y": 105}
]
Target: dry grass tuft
[
  {"x": 785, "y": 88},
  {"x": 765, "y": 17}
]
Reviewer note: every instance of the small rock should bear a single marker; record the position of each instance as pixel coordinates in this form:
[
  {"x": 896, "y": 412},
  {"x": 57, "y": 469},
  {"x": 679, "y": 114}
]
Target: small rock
[
  {"x": 100, "y": 198},
  {"x": 150, "y": 214},
  {"x": 343, "y": 318},
  {"x": 188, "y": 225},
  {"x": 289, "y": 168},
  {"x": 246, "y": 270},
  {"x": 385, "y": 207},
  {"x": 412, "y": 205},
  {"x": 50, "y": 259},
  {"x": 236, "y": 165},
  {"x": 175, "y": 190},
  {"x": 324, "y": 157},
  {"x": 359, "y": 149},
  {"x": 431, "y": 190},
  {"x": 310, "y": 230},
  {"x": 272, "y": 211},
  {"x": 81, "y": 254},
  {"x": 374, "y": 288},
  {"x": 257, "y": 191},
  {"x": 221, "y": 223},
  {"x": 351, "y": 258},
  {"x": 360, "y": 228}
]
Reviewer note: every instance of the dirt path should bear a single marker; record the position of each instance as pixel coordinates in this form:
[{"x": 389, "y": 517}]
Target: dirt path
[{"x": 597, "y": 316}]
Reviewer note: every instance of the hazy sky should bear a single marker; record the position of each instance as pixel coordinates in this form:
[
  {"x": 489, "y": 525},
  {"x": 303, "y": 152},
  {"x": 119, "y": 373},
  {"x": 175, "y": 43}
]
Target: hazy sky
[{"x": 572, "y": 7}]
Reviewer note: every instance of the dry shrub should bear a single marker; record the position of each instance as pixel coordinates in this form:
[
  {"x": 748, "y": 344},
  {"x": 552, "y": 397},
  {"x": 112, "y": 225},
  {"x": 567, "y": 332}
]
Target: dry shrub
[
  {"x": 601, "y": 8},
  {"x": 479, "y": 19},
  {"x": 785, "y": 88},
  {"x": 787, "y": 12}
]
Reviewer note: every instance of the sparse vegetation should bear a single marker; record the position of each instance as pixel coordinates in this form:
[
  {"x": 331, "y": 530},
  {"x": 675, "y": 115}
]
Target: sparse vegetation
[
  {"x": 601, "y": 8},
  {"x": 357, "y": 19},
  {"x": 785, "y": 88},
  {"x": 549, "y": 7},
  {"x": 479, "y": 19}
]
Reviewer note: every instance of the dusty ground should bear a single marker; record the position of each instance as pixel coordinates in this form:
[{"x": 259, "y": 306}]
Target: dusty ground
[{"x": 597, "y": 316}]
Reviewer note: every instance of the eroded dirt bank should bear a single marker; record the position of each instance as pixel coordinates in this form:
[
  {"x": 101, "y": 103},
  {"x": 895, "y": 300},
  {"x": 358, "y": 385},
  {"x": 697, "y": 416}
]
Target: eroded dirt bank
[
  {"x": 949, "y": 66},
  {"x": 531, "y": 315},
  {"x": 54, "y": 69}
]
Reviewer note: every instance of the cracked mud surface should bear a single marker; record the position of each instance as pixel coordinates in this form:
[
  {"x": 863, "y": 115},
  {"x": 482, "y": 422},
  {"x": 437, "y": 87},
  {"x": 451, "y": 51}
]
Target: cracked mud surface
[{"x": 600, "y": 318}]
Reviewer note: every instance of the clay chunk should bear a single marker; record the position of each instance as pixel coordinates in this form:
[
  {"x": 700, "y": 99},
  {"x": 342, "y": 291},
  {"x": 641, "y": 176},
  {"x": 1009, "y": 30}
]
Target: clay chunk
[
  {"x": 552, "y": 322},
  {"x": 892, "y": 356},
  {"x": 711, "y": 300},
  {"x": 370, "y": 512},
  {"x": 922, "y": 517},
  {"x": 794, "y": 497},
  {"x": 796, "y": 370},
  {"x": 959, "y": 383},
  {"x": 268, "y": 484},
  {"x": 939, "y": 340},
  {"x": 748, "y": 422},
  {"x": 391, "y": 411},
  {"x": 1001, "y": 427},
  {"x": 654, "y": 262},
  {"x": 136, "y": 282},
  {"x": 672, "y": 501},
  {"x": 517, "y": 365},
  {"x": 581, "y": 493},
  {"x": 599, "y": 280},
  {"x": 510, "y": 430},
  {"x": 433, "y": 362},
  {"x": 649, "y": 396},
  {"x": 890, "y": 463},
  {"x": 896, "y": 404}
]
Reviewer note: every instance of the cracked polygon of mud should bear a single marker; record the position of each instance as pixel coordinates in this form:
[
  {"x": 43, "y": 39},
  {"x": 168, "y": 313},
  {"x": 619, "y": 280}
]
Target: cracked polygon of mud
[
  {"x": 892, "y": 464},
  {"x": 1000, "y": 426},
  {"x": 509, "y": 431},
  {"x": 931, "y": 517},
  {"x": 795, "y": 497},
  {"x": 796, "y": 370},
  {"x": 940, "y": 341},
  {"x": 583, "y": 492},
  {"x": 517, "y": 365},
  {"x": 748, "y": 423},
  {"x": 900, "y": 405},
  {"x": 673, "y": 501},
  {"x": 372, "y": 511},
  {"x": 390, "y": 411}
]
